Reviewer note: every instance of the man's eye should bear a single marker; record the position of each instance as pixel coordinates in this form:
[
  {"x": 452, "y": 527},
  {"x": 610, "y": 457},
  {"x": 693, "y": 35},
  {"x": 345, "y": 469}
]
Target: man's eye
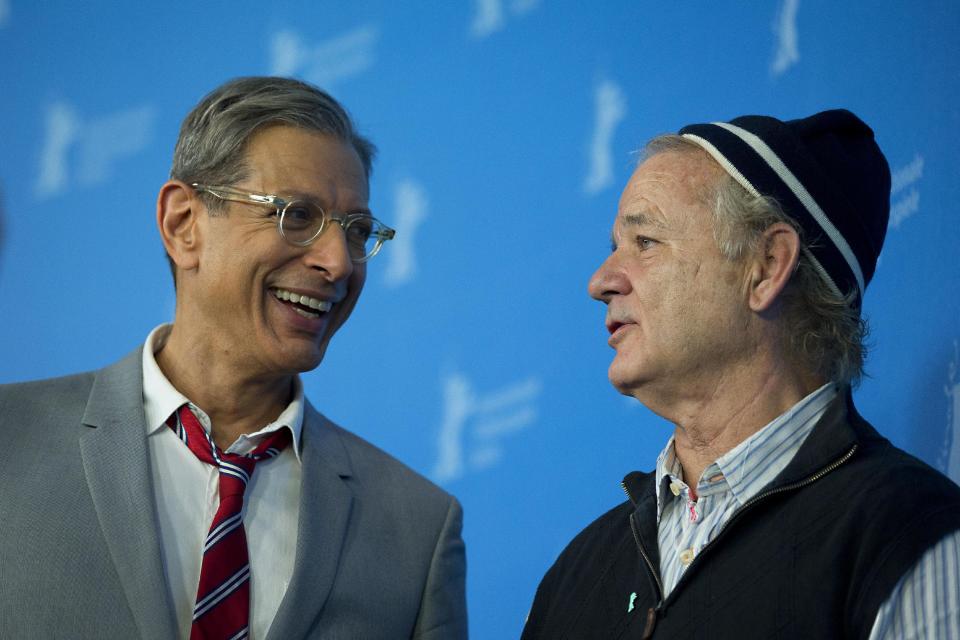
[
  {"x": 360, "y": 230},
  {"x": 644, "y": 242},
  {"x": 299, "y": 214},
  {"x": 297, "y": 217}
]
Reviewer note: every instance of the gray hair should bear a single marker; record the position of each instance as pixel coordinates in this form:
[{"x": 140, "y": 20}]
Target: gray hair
[
  {"x": 822, "y": 332},
  {"x": 214, "y": 135}
]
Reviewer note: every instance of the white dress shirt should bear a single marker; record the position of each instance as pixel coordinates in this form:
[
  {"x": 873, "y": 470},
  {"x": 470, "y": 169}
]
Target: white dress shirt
[
  {"x": 924, "y": 604},
  {"x": 187, "y": 496}
]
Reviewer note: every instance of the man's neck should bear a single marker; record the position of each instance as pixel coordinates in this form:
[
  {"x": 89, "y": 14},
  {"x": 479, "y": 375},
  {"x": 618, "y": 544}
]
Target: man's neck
[
  {"x": 729, "y": 412},
  {"x": 236, "y": 401}
]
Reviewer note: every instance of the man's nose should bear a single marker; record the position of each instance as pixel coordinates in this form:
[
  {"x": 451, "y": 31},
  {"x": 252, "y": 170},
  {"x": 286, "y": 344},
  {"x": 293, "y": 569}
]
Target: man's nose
[
  {"x": 607, "y": 281},
  {"x": 330, "y": 253}
]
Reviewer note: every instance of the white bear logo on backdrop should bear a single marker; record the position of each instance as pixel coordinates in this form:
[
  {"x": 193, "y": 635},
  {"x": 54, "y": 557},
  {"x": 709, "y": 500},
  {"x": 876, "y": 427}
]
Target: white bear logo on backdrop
[
  {"x": 905, "y": 202},
  {"x": 785, "y": 30},
  {"x": 324, "y": 63},
  {"x": 100, "y": 142},
  {"x": 474, "y": 424},
  {"x": 950, "y": 456},
  {"x": 489, "y": 15},
  {"x": 409, "y": 210},
  {"x": 610, "y": 108}
]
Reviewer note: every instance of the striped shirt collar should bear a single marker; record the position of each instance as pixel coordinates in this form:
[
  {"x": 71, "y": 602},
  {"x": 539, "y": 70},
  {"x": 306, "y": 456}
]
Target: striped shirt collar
[
  {"x": 750, "y": 466},
  {"x": 161, "y": 399}
]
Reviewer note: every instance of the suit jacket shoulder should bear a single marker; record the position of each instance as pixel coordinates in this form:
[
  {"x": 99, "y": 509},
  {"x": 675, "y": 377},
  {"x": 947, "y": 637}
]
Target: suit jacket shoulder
[
  {"x": 80, "y": 544},
  {"x": 43, "y": 403}
]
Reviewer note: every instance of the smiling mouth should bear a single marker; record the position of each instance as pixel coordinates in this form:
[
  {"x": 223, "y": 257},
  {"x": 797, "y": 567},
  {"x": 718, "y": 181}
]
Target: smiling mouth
[{"x": 304, "y": 305}]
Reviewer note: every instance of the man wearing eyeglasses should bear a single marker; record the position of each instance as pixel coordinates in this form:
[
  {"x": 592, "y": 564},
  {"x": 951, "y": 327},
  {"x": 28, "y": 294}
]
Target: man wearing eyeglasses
[{"x": 191, "y": 490}]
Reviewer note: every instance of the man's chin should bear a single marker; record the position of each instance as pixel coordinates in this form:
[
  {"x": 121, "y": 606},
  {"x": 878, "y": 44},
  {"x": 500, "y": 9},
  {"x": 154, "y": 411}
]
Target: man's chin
[
  {"x": 620, "y": 376},
  {"x": 626, "y": 380},
  {"x": 302, "y": 360},
  {"x": 309, "y": 363}
]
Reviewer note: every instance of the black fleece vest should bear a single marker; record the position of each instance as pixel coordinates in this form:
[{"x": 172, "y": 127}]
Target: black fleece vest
[{"x": 815, "y": 555}]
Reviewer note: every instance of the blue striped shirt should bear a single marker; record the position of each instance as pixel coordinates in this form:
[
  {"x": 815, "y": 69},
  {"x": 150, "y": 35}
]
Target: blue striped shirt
[{"x": 924, "y": 604}]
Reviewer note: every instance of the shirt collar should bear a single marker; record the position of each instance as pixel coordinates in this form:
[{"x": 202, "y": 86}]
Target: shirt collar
[
  {"x": 161, "y": 399},
  {"x": 668, "y": 468},
  {"x": 754, "y": 463}
]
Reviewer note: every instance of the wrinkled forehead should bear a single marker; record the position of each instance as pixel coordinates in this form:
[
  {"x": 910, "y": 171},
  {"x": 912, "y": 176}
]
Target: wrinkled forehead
[
  {"x": 302, "y": 164},
  {"x": 689, "y": 175},
  {"x": 649, "y": 222},
  {"x": 667, "y": 187}
]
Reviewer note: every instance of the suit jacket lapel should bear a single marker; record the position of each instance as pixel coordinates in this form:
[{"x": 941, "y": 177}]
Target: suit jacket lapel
[
  {"x": 114, "y": 451},
  {"x": 325, "y": 504}
]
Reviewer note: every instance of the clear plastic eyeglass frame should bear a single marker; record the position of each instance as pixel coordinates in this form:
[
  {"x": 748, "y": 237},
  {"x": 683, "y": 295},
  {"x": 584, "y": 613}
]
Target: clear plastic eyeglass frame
[{"x": 379, "y": 232}]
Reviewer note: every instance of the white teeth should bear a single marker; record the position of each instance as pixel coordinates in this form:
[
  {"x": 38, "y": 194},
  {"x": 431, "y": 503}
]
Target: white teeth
[
  {"x": 305, "y": 313},
  {"x": 307, "y": 301}
]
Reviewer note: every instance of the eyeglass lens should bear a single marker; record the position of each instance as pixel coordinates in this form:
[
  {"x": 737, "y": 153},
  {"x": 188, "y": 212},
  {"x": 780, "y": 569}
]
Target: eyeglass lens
[{"x": 302, "y": 221}]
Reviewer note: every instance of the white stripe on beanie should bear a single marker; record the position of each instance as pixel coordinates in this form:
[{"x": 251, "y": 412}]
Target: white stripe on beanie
[
  {"x": 775, "y": 163},
  {"x": 746, "y": 184}
]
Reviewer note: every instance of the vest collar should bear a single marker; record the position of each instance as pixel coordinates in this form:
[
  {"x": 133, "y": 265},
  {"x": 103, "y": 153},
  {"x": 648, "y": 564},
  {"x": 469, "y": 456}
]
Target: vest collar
[{"x": 840, "y": 428}]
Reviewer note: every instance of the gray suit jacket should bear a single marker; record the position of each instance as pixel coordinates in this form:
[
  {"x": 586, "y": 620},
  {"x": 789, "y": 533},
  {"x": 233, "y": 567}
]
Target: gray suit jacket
[{"x": 379, "y": 553}]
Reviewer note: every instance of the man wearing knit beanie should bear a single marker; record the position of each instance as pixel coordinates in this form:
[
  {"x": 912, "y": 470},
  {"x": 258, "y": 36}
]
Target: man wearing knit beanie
[{"x": 741, "y": 253}]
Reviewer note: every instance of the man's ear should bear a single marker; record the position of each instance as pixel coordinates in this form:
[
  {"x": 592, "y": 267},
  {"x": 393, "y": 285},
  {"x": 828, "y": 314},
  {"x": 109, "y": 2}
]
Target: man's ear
[
  {"x": 775, "y": 262},
  {"x": 178, "y": 212}
]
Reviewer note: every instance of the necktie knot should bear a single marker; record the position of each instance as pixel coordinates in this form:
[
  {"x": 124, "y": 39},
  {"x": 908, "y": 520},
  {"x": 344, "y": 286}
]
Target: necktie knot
[{"x": 188, "y": 428}]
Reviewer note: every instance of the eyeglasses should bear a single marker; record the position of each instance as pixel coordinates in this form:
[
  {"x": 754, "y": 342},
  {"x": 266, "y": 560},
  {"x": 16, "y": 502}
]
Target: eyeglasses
[{"x": 300, "y": 222}]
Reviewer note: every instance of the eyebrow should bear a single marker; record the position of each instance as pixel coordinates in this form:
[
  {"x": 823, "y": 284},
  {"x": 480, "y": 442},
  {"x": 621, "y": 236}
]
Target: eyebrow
[
  {"x": 641, "y": 220},
  {"x": 291, "y": 195},
  {"x": 635, "y": 220}
]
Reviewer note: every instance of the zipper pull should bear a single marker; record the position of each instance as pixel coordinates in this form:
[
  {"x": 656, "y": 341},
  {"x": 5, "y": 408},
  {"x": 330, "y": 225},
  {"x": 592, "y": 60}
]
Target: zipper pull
[{"x": 651, "y": 623}]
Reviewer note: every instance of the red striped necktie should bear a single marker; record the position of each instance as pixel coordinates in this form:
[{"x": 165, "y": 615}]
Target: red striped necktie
[{"x": 222, "y": 609}]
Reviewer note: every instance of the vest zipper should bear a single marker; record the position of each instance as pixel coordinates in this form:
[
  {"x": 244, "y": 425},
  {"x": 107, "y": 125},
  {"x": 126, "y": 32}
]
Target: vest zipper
[
  {"x": 791, "y": 487},
  {"x": 646, "y": 558},
  {"x": 652, "y": 611},
  {"x": 749, "y": 503}
]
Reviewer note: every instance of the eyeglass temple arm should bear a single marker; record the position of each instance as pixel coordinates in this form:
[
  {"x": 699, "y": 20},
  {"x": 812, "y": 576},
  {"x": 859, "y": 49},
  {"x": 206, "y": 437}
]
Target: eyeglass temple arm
[{"x": 223, "y": 192}]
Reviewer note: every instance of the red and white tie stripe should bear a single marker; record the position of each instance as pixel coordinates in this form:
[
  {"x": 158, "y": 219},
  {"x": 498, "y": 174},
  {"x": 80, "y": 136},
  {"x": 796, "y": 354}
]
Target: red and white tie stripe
[{"x": 222, "y": 609}]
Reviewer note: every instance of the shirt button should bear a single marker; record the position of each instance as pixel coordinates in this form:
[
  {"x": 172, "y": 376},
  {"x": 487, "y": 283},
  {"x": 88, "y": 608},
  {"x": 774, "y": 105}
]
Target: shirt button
[
  {"x": 675, "y": 488},
  {"x": 686, "y": 556},
  {"x": 717, "y": 478}
]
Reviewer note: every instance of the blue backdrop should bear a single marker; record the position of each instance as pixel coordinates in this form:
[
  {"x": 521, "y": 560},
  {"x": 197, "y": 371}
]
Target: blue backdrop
[{"x": 506, "y": 130}]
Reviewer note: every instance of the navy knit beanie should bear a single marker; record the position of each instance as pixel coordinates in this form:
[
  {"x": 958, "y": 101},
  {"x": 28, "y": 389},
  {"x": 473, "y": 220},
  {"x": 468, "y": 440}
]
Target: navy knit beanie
[{"x": 827, "y": 173}]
